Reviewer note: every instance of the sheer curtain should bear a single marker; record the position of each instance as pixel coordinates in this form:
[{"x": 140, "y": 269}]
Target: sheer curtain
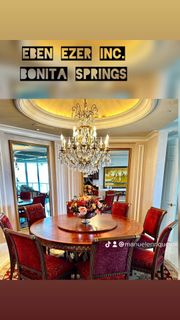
[{"x": 69, "y": 183}]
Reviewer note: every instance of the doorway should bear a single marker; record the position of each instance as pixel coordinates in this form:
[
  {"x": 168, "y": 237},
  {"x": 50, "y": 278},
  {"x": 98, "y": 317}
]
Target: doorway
[
  {"x": 115, "y": 177},
  {"x": 30, "y": 168}
]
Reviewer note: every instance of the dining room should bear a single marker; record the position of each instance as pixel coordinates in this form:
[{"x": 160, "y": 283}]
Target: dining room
[{"x": 89, "y": 189}]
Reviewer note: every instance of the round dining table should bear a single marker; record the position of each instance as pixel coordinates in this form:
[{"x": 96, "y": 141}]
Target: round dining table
[{"x": 68, "y": 233}]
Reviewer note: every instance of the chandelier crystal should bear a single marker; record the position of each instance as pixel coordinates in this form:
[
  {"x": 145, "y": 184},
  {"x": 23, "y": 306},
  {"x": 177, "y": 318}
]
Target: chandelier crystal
[{"x": 84, "y": 151}]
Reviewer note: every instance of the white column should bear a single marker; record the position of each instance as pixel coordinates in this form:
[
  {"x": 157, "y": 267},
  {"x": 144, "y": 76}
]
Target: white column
[
  {"x": 160, "y": 167},
  {"x": 138, "y": 181}
]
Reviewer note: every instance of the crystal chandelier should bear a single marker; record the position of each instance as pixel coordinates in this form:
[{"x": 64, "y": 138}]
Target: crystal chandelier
[{"x": 84, "y": 151}]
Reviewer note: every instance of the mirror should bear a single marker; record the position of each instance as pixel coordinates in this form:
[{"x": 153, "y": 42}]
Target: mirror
[{"x": 30, "y": 166}]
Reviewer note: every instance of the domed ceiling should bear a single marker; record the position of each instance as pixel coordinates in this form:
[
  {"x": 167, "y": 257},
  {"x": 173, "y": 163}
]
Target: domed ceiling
[
  {"x": 106, "y": 108},
  {"x": 111, "y": 112}
]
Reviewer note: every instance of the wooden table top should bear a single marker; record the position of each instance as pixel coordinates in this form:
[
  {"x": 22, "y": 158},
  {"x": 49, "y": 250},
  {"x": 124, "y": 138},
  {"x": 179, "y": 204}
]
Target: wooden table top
[{"x": 48, "y": 232}]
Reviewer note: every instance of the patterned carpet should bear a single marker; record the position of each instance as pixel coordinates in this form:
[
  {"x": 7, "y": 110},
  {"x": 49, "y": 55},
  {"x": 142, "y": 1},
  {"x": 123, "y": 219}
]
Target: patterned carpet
[{"x": 169, "y": 274}]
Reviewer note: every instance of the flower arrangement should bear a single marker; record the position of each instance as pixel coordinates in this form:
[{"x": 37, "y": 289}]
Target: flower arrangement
[
  {"x": 86, "y": 207},
  {"x": 91, "y": 190}
]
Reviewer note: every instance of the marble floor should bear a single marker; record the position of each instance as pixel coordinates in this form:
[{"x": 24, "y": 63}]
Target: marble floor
[{"x": 4, "y": 255}]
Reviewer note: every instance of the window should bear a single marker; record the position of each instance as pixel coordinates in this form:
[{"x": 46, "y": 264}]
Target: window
[
  {"x": 20, "y": 172},
  {"x": 32, "y": 174},
  {"x": 43, "y": 176}
]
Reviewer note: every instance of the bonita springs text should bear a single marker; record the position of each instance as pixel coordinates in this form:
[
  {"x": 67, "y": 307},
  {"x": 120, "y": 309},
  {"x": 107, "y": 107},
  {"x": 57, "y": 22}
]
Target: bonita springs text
[{"x": 82, "y": 73}]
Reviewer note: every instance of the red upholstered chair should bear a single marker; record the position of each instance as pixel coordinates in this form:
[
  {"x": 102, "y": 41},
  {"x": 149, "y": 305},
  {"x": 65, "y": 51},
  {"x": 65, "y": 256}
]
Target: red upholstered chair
[
  {"x": 151, "y": 227},
  {"x": 117, "y": 196},
  {"x": 32, "y": 263},
  {"x": 110, "y": 192},
  {"x": 95, "y": 192},
  {"x": 34, "y": 213},
  {"x": 5, "y": 223},
  {"x": 108, "y": 201},
  {"x": 25, "y": 195},
  {"x": 69, "y": 211},
  {"x": 120, "y": 209},
  {"x": 148, "y": 261},
  {"x": 109, "y": 260},
  {"x": 40, "y": 199}
]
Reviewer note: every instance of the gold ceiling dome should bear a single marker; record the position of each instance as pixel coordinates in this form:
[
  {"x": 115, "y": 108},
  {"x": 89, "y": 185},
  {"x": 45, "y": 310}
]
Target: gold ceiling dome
[
  {"x": 111, "y": 112},
  {"x": 106, "y": 108}
]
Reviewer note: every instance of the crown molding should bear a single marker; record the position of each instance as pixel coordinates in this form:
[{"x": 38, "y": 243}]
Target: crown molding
[
  {"x": 134, "y": 139},
  {"x": 28, "y": 133},
  {"x": 52, "y": 137},
  {"x": 142, "y": 109},
  {"x": 152, "y": 135}
]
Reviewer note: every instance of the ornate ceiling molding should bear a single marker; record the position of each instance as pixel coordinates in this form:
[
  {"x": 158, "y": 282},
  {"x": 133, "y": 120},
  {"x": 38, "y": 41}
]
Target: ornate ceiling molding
[{"x": 143, "y": 108}]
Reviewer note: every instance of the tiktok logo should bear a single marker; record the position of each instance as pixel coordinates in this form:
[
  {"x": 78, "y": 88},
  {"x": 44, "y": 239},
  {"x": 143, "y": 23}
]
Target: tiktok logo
[{"x": 107, "y": 245}]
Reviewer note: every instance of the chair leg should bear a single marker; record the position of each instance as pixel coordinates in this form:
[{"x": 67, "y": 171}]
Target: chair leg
[
  {"x": 162, "y": 271},
  {"x": 152, "y": 275},
  {"x": 44, "y": 249},
  {"x": 13, "y": 263}
]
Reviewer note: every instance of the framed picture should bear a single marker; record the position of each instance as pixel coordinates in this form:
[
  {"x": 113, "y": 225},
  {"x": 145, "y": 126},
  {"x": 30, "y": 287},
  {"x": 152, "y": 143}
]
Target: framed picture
[{"x": 115, "y": 177}]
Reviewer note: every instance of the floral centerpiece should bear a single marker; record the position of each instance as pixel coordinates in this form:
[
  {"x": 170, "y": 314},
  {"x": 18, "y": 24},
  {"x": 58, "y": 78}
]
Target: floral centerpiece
[{"x": 86, "y": 207}]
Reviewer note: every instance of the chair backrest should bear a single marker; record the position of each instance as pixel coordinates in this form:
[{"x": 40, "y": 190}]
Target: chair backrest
[
  {"x": 120, "y": 209},
  {"x": 110, "y": 192},
  {"x": 34, "y": 213},
  {"x": 40, "y": 199},
  {"x": 29, "y": 255},
  {"x": 25, "y": 195},
  {"x": 117, "y": 196},
  {"x": 111, "y": 257},
  {"x": 153, "y": 221},
  {"x": 109, "y": 199},
  {"x": 162, "y": 243},
  {"x": 5, "y": 223},
  {"x": 95, "y": 192}
]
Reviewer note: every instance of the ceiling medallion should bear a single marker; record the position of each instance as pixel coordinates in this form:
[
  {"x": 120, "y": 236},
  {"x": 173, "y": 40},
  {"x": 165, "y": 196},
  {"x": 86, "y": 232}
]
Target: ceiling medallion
[{"x": 85, "y": 151}]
